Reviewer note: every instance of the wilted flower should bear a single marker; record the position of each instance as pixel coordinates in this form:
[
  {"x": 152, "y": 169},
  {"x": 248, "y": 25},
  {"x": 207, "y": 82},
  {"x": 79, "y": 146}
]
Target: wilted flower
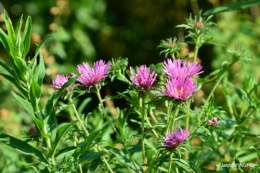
[
  {"x": 92, "y": 76},
  {"x": 60, "y": 81},
  {"x": 143, "y": 78},
  {"x": 180, "y": 88},
  {"x": 175, "y": 68},
  {"x": 174, "y": 139},
  {"x": 213, "y": 121}
]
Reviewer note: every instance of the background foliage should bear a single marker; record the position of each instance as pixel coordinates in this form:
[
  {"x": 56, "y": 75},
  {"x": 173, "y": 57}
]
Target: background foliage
[{"x": 87, "y": 30}]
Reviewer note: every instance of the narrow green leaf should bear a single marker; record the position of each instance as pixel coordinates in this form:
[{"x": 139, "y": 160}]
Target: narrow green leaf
[
  {"x": 17, "y": 32},
  {"x": 64, "y": 87},
  {"x": 9, "y": 69},
  {"x": 52, "y": 124},
  {"x": 95, "y": 164},
  {"x": 40, "y": 45},
  {"x": 36, "y": 89},
  {"x": 49, "y": 105},
  {"x": 23, "y": 147},
  {"x": 231, "y": 7},
  {"x": 10, "y": 29},
  {"x": 26, "y": 38},
  {"x": 83, "y": 105},
  {"x": 62, "y": 130},
  {"x": 15, "y": 82},
  {"x": 91, "y": 156},
  {"x": 183, "y": 164},
  {"x": 20, "y": 68},
  {"x": 3, "y": 39},
  {"x": 89, "y": 141},
  {"x": 40, "y": 126},
  {"x": 41, "y": 68},
  {"x": 65, "y": 150},
  {"x": 25, "y": 103}
]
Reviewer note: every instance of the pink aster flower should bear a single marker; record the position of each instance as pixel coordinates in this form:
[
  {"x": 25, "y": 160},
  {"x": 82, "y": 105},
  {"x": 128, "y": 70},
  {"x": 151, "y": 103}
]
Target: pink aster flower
[
  {"x": 92, "y": 76},
  {"x": 60, "y": 81},
  {"x": 143, "y": 78},
  {"x": 213, "y": 121},
  {"x": 174, "y": 139},
  {"x": 180, "y": 88},
  {"x": 176, "y": 68}
]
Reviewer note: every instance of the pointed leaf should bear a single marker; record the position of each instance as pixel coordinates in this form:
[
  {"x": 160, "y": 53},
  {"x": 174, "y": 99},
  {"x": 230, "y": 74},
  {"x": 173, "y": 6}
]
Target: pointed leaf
[
  {"x": 40, "y": 45},
  {"x": 40, "y": 126},
  {"x": 41, "y": 70},
  {"x": 25, "y": 103},
  {"x": 3, "y": 39},
  {"x": 62, "y": 130},
  {"x": 89, "y": 156},
  {"x": 10, "y": 29},
  {"x": 9, "y": 69},
  {"x": 26, "y": 39},
  {"x": 231, "y": 7},
  {"x": 23, "y": 147},
  {"x": 15, "y": 82},
  {"x": 17, "y": 33},
  {"x": 64, "y": 87}
]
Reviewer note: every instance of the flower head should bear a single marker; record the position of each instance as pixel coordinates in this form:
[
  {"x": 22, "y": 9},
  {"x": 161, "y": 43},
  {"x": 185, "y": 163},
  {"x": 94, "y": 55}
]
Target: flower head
[
  {"x": 213, "y": 121},
  {"x": 60, "y": 81},
  {"x": 180, "y": 88},
  {"x": 174, "y": 139},
  {"x": 92, "y": 76},
  {"x": 143, "y": 78},
  {"x": 175, "y": 68}
]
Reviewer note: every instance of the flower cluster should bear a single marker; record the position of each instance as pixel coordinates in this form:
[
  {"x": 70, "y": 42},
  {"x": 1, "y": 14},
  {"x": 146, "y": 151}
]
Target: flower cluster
[
  {"x": 180, "y": 86},
  {"x": 88, "y": 76},
  {"x": 174, "y": 139},
  {"x": 60, "y": 81},
  {"x": 92, "y": 76},
  {"x": 143, "y": 78}
]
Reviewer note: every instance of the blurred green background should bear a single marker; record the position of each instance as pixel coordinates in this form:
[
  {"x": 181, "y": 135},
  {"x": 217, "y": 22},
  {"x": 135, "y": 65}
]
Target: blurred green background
[{"x": 88, "y": 30}]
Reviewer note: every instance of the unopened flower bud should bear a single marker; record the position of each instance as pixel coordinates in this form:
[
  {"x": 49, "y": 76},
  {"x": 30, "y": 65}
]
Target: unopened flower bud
[
  {"x": 32, "y": 131},
  {"x": 213, "y": 121},
  {"x": 199, "y": 24}
]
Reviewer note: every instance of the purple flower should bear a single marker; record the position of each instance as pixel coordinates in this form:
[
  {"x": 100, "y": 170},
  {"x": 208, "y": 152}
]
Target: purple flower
[
  {"x": 180, "y": 88},
  {"x": 92, "y": 76},
  {"x": 174, "y": 139},
  {"x": 143, "y": 78},
  {"x": 176, "y": 68},
  {"x": 213, "y": 121},
  {"x": 60, "y": 81}
]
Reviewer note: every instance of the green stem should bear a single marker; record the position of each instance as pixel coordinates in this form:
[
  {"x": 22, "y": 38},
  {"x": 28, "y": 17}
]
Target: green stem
[
  {"x": 176, "y": 111},
  {"x": 141, "y": 104},
  {"x": 114, "y": 128},
  {"x": 211, "y": 93},
  {"x": 48, "y": 142},
  {"x": 77, "y": 116},
  {"x": 150, "y": 125},
  {"x": 153, "y": 118},
  {"x": 170, "y": 163},
  {"x": 196, "y": 50},
  {"x": 168, "y": 121}
]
